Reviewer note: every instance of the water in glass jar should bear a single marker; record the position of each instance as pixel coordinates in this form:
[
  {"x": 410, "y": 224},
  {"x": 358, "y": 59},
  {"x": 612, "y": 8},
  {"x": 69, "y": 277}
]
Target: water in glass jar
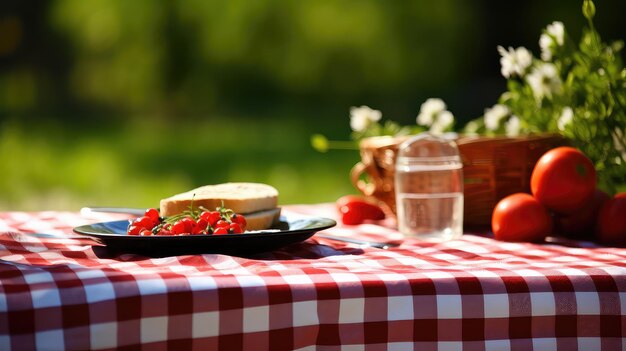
[
  {"x": 427, "y": 215},
  {"x": 429, "y": 190}
]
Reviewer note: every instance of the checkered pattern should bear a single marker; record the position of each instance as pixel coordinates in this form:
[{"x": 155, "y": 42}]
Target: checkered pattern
[{"x": 469, "y": 294}]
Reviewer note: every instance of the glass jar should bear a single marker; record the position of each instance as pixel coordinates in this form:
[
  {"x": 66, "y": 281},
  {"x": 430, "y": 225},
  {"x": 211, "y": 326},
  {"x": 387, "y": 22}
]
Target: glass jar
[{"x": 429, "y": 188}]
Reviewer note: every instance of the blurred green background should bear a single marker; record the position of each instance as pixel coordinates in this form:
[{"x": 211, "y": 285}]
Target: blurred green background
[{"x": 126, "y": 102}]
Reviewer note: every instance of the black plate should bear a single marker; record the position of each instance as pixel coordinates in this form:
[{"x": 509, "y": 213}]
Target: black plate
[{"x": 289, "y": 230}]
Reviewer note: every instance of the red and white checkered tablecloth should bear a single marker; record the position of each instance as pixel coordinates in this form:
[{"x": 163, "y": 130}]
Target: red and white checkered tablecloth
[{"x": 469, "y": 294}]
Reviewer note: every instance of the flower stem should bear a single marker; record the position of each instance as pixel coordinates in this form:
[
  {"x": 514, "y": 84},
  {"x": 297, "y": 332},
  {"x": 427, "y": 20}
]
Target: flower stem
[{"x": 322, "y": 144}]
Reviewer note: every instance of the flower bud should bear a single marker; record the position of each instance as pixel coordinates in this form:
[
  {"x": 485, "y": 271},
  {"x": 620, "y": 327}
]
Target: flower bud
[{"x": 589, "y": 9}]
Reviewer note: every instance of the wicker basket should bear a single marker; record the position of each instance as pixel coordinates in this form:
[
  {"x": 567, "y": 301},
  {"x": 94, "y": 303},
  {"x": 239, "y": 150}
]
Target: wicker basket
[{"x": 493, "y": 167}]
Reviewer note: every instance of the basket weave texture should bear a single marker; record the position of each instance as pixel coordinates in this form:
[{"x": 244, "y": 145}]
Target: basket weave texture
[{"x": 493, "y": 167}]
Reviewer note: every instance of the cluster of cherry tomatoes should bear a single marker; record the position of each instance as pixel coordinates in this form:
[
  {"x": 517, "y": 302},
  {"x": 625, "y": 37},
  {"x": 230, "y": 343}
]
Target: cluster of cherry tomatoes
[
  {"x": 201, "y": 222},
  {"x": 564, "y": 201}
]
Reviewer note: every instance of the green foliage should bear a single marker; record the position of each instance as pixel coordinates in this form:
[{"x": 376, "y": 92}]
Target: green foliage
[
  {"x": 584, "y": 99},
  {"x": 136, "y": 164},
  {"x": 197, "y": 55}
]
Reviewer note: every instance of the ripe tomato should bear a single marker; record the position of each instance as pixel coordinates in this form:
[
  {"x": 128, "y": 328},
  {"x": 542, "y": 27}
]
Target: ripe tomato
[
  {"x": 563, "y": 180},
  {"x": 200, "y": 227},
  {"x": 520, "y": 217},
  {"x": 153, "y": 214},
  {"x": 211, "y": 217},
  {"x": 222, "y": 224},
  {"x": 221, "y": 231},
  {"x": 183, "y": 226},
  {"x": 144, "y": 222},
  {"x": 611, "y": 227},
  {"x": 239, "y": 219},
  {"x": 581, "y": 224},
  {"x": 234, "y": 228},
  {"x": 134, "y": 230},
  {"x": 344, "y": 200},
  {"x": 356, "y": 209}
]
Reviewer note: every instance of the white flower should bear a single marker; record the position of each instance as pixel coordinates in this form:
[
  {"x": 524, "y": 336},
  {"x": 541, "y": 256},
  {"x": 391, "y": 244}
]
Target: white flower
[
  {"x": 429, "y": 110},
  {"x": 494, "y": 115},
  {"x": 566, "y": 118},
  {"x": 545, "y": 41},
  {"x": 514, "y": 61},
  {"x": 362, "y": 117},
  {"x": 554, "y": 34},
  {"x": 443, "y": 121},
  {"x": 544, "y": 80},
  {"x": 557, "y": 31},
  {"x": 512, "y": 126}
]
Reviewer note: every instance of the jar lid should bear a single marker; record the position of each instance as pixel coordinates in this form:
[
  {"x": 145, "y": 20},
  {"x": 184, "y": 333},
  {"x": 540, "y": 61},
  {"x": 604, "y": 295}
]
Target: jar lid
[{"x": 426, "y": 147}]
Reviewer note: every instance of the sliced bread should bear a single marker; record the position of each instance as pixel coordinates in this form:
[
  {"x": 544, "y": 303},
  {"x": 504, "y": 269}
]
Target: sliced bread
[
  {"x": 262, "y": 219},
  {"x": 243, "y": 198}
]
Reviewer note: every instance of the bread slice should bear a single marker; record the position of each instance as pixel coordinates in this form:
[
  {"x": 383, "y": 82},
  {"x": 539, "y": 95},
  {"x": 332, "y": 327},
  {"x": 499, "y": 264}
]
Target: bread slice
[
  {"x": 243, "y": 198},
  {"x": 262, "y": 219}
]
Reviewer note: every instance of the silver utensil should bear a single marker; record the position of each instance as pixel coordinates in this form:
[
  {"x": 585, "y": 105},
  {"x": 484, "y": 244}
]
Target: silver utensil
[
  {"x": 85, "y": 211},
  {"x": 362, "y": 243}
]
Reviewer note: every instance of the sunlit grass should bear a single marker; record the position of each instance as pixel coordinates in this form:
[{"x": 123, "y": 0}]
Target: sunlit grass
[{"x": 138, "y": 163}]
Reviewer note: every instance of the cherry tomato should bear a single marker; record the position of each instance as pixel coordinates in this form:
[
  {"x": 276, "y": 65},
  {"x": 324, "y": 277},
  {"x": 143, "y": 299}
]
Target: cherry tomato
[
  {"x": 178, "y": 227},
  {"x": 205, "y": 215},
  {"x": 214, "y": 217},
  {"x": 611, "y": 226},
  {"x": 220, "y": 231},
  {"x": 189, "y": 224},
  {"x": 211, "y": 217},
  {"x": 239, "y": 219},
  {"x": 145, "y": 232},
  {"x": 134, "y": 230},
  {"x": 183, "y": 226},
  {"x": 144, "y": 222},
  {"x": 153, "y": 214},
  {"x": 368, "y": 205},
  {"x": 581, "y": 224},
  {"x": 200, "y": 227},
  {"x": 344, "y": 200},
  {"x": 235, "y": 228},
  {"x": 351, "y": 216},
  {"x": 356, "y": 209},
  {"x": 520, "y": 217},
  {"x": 563, "y": 180},
  {"x": 164, "y": 231},
  {"x": 222, "y": 224}
]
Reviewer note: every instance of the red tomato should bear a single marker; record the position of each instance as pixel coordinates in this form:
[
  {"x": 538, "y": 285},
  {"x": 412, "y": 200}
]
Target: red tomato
[
  {"x": 344, "y": 200},
  {"x": 200, "y": 227},
  {"x": 222, "y": 224},
  {"x": 581, "y": 224},
  {"x": 520, "y": 217},
  {"x": 134, "y": 230},
  {"x": 144, "y": 222},
  {"x": 611, "y": 227},
  {"x": 234, "y": 228},
  {"x": 183, "y": 226},
  {"x": 153, "y": 214},
  {"x": 221, "y": 231},
  {"x": 211, "y": 217},
  {"x": 239, "y": 219},
  {"x": 563, "y": 180},
  {"x": 356, "y": 209}
]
